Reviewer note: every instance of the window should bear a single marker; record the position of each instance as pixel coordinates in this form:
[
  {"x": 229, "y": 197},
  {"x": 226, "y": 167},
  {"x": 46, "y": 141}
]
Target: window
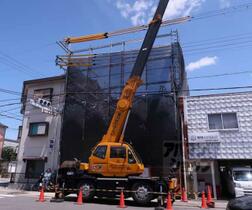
[
  {"x": 100, "y": 152},
  {"x": 34, "y": 168},
  {"x": 215, "y": 121},
  {"x": 131, "y": 159},
  {"x": 117, "y": 152},
  {"x": 43, "y": 93},
  {"x": 19, "y": 132},
  {"x": 38, "y": 129},
  {"x": 229, "y": 120},
  {"x": 222, "y": 121},
  {"x": 243, "y": 175}
]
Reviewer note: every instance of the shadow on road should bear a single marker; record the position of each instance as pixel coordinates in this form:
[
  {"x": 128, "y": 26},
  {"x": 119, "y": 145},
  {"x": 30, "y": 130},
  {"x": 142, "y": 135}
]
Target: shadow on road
[{"x": 109, "y": 201}]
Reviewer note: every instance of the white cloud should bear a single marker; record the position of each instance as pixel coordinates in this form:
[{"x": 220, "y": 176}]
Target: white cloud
[
  {"x": 225, "y": 3},
  {"x": 206, "y": 61},
  {"x": 137, "y": 11},
  {"x": 177, "y": 8},
  {"x": 141, "y": 11}
]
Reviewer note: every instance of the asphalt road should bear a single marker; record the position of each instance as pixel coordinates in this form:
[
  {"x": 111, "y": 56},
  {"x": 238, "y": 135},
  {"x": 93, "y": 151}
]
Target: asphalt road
[{"x": 27, "y": 201}]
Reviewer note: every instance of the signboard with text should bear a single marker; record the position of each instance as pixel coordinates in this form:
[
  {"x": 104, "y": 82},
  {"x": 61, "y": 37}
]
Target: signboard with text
[{"x": 211, "y": 137}]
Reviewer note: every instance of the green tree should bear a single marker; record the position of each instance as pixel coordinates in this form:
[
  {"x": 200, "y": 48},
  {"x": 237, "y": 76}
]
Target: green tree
[{"x": 9, "y": 154}]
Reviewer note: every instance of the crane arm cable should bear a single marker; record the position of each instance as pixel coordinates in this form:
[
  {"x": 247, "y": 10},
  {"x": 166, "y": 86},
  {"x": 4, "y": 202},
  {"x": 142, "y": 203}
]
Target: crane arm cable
[{"x": 134, "y": 29}]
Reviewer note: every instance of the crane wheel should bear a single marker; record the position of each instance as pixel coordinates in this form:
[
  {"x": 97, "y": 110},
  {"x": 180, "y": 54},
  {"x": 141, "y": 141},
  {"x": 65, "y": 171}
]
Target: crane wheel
[
  {"x": 88, "y": 190},
  {"x": 142, "y": 193}
]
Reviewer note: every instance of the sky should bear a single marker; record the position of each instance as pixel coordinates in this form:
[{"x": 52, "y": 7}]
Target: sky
[{"x": 217, "y": 40}]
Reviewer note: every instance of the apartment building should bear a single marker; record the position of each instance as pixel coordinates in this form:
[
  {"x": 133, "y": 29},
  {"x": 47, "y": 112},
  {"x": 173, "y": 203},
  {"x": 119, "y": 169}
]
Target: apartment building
[{"x": 40, "y": 132}]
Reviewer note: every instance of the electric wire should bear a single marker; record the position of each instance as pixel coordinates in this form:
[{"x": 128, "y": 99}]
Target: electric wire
[
  {"x": 21, "y": 66},
  {"x": 166, "y": 93},
  {"x": 189, "y": 78},
  {"x": 11, "y": 117}
]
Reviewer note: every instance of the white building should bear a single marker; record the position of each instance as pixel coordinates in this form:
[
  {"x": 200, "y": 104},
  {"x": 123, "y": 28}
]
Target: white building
[
  {"x": 40, "y": 136},
  {"x": 2, "y": 136},
  {"x": 218, "y": 136},
  {"x": 11, "y": 143}
]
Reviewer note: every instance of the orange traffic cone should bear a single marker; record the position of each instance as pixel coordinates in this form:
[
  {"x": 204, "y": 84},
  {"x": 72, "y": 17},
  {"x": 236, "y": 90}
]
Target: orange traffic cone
[
  {"x": 209, "y": 196},
  {"x": 210, "y": 202},
  {"x": 122, "y": 203},
  {"x": 183, "y": 195},
  {"x": 169, "y": 202},
  {"x": 79, "y": 200},
  {"x": 41, "y": 195},
  {"x": 203, "y": 202}
]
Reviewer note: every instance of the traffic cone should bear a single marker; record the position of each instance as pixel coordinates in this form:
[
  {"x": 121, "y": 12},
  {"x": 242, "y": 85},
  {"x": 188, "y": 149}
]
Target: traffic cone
[
  {"x": 41, "y": 195},
  {"x": 79, "y": 200},
  {"x": 203, "y": 202},
  {"x": 183, "y": 195},
  {"x": 122, "y": 203},
  {"x": 210, "y": 202},
  {"x": 169, "y": 202}
]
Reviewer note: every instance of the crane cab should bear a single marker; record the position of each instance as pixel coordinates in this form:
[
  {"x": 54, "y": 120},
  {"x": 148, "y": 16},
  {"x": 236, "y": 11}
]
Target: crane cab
[{"x": 114, "y": 160}]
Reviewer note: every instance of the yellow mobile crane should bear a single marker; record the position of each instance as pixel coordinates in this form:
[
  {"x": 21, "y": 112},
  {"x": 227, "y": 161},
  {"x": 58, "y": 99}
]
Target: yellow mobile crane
[{"x": 113, "y": 163}]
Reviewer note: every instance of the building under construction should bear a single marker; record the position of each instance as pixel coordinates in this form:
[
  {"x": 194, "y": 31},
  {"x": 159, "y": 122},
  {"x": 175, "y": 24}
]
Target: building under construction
[{"x": 93, "y": 85}]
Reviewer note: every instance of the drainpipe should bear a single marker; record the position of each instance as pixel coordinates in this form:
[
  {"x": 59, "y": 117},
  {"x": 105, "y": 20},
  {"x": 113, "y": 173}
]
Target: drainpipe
[{"x": 181, "y": 106}]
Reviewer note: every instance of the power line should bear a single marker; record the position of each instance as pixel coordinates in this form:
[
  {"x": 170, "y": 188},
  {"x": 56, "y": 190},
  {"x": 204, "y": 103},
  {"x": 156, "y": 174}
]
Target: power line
[
  {"x": 9, "y": 91},
  {"x": 10, "y": 109},
  {"x": 11, "y": 99},
  {"x": 21, "y": 65},
  {"x": 220, "y": 75},
  {"x": 11, "y": 117},
  {"x": 220, "y": 12},
  {"x": 14, "y": 66},
  {"x": 143, "y": 93},
  {"x": 218, "y": 39},
  {"x": 10, "y": 104}
]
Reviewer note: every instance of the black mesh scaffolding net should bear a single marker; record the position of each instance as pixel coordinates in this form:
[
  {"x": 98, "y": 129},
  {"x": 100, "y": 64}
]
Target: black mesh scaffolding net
[{"x": 93, "y": 86}]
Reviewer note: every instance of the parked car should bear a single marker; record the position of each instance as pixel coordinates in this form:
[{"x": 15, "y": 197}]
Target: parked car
[
  {"x": 241, "y": 203},
  {"x": 243, "y": 181},
  {"x": 240, "y": 181}
]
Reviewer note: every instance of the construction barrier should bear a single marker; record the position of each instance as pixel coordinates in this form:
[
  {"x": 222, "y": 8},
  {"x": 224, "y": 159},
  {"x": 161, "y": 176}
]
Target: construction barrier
[
  {"x": 41, "y": 195},
  {"x": 206, "y": 202},
  {"x": 79, "y": 199},
  {"x": 169, "y": 202},
  {"x": 122, "y": 202},
  {"x": 203, "y": 201}
]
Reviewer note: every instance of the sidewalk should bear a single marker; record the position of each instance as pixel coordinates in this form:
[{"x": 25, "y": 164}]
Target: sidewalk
[
  {"x": 8, "y": 191},
  {"x": 219, "y": 204}
]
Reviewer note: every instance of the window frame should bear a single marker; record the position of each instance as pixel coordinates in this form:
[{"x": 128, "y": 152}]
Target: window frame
[
  {"x": 44, "y": 96},
  {"x": 128, "y": 153},
  {"x": 222, "y": 122},
  {"x": 20, "y": 131},
  {"x": 105, "y": 154},
  {"x": 125, "y": 152},
  {"x": 34, "y": 123}
]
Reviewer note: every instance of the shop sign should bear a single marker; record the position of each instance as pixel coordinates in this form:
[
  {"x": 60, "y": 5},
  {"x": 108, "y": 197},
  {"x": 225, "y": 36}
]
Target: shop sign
[{"x": 212, "y": 137}]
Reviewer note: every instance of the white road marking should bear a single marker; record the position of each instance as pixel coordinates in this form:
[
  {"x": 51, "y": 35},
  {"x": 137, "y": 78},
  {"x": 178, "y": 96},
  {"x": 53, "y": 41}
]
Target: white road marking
[{"x": 6, "y": 196}]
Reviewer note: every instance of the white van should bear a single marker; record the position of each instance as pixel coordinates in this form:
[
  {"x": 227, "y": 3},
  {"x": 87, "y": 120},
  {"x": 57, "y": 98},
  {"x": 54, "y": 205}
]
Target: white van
[{"x": 242, "y": 180}]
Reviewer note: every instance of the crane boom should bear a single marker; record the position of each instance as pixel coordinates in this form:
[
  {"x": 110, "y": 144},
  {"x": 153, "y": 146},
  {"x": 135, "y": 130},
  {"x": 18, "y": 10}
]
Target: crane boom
[{"x": 119, "y": 120}]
